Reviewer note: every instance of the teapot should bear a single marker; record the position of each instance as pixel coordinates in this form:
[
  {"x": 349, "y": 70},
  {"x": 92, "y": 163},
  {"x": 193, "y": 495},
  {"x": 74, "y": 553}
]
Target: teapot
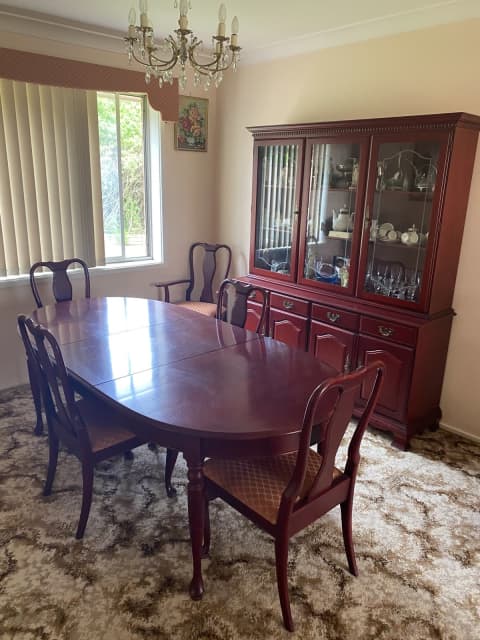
[{"x": 342, "y": 219}]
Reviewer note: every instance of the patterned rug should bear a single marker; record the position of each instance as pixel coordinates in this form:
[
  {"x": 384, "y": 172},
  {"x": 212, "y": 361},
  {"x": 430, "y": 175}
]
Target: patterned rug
[{"x": 416, "y": 529}]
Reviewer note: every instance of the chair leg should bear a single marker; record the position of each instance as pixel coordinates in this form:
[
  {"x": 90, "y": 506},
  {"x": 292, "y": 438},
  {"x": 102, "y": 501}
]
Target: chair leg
[
  {"x": 87, "y": 474},
  {"x": 281, "y": 560},
  {"x": 37, "y": 397},
  {"x": 52, "y": 462},
  {"x": 346, "y": 509},
  {"x": 172, "y": 456}
]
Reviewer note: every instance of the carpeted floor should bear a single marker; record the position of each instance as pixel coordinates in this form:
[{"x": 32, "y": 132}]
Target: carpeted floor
[{"x": 416, "y": 529}]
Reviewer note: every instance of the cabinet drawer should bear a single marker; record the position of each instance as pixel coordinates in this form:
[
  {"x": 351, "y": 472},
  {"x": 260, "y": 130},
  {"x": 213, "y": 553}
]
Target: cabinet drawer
[
  {"x": 388, "y": 330},
  {"x": 292, "y": 305},
  {"x": 335, "y": 317}
]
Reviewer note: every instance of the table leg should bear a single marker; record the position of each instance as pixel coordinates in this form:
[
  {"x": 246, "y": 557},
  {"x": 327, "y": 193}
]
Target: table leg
[{"x": 196, "y": 520}]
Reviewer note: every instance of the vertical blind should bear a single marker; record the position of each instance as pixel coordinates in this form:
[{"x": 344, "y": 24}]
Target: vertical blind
[
  {"x": 50, "y": 183},
  {"x": 278, "y": 195}
]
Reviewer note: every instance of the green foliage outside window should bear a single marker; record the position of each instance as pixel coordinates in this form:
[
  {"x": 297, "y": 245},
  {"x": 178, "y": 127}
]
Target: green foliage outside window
[{"x": 121, "y": 133}]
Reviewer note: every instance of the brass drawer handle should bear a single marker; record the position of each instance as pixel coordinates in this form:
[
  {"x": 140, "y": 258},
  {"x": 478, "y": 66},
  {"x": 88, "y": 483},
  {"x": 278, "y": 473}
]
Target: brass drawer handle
[
  {"x": 333, "y": 317},
  {"x": 253, "y": 295},
  {"x": 287, "y": 304},
  {"x": 386, "y": 332}
]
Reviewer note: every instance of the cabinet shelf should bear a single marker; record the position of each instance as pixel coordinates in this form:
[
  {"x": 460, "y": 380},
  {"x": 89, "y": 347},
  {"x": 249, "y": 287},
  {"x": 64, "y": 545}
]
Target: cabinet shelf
[
  {"x": 398, "y": 245},
  {"x": 410, "y": 195}
]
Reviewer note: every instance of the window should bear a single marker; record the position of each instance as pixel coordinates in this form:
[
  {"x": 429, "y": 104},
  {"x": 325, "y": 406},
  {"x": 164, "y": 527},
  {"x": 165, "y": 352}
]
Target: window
[
  {"x": 124, "y": 169},
  {"x": 79, "y": 176}
]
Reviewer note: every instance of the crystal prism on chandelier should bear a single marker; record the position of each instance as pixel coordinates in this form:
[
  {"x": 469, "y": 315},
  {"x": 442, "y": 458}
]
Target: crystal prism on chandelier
[{"x": 182, "y": 48}]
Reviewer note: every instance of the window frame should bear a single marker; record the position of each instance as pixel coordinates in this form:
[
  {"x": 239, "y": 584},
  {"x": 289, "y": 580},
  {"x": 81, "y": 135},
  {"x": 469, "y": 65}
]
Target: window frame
[{"x": 147, "y": 182}]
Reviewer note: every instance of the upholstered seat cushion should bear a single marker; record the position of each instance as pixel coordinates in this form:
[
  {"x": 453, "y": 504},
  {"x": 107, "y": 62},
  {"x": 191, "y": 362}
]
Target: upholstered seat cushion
[
  {"x": 259, "y": 482},
  {"x": 105, "y": 427},
  {"x": 205, "y": 308}
]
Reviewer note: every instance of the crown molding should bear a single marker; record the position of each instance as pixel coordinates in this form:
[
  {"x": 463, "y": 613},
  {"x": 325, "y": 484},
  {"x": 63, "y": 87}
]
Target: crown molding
[
  {"x": 443, "y": 12},
  {"x": 42, "y": 26}
]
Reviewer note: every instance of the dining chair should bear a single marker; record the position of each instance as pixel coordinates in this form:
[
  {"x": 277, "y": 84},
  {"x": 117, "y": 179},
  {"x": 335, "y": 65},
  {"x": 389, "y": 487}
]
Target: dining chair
[
  {"x": 88, "y": 428},
  {"x": 233, "y": 305},
  {"x": 62, "y": 291},
  {"x": 61, "y": 283},
  {"x": 205, "y": 258},
  {"x": 283, "y": 494}
]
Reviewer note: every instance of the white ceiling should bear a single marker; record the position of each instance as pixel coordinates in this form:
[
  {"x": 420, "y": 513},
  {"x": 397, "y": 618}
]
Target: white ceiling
[{"x": 268, "y": 28}]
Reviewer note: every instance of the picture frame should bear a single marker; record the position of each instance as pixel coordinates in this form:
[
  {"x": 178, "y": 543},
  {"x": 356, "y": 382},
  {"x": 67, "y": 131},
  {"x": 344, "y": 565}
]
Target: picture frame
[{"x": 191, "y": 129}]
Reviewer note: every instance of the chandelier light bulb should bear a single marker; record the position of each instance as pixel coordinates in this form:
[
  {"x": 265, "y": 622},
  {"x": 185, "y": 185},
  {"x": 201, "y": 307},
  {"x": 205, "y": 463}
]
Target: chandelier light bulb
[
  {"x": 183, "y": 8},
  {"x": 222, "y": 16},
  {"x": 132, "y": 17},
  {"x": 143, "y": 5},
  {"x": 234, "y": 38}
]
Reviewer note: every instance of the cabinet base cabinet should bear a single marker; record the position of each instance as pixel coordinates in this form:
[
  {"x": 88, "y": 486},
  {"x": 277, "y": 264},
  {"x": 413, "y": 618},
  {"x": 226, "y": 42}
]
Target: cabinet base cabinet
[
  {"x": 403, "y": 432},
  {"x": 413, "y": 348}
]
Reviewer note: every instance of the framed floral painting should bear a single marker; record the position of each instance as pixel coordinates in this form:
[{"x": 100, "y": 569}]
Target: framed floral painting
[{"x": 191, "y": 128}]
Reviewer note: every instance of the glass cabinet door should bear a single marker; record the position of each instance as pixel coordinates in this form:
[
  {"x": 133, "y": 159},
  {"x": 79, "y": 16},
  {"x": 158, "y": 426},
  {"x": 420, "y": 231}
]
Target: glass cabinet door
[
  {"x": 277, "y": 208},
  {"x": 330, "y": 228},
  {"x": 404, "y": 191}
]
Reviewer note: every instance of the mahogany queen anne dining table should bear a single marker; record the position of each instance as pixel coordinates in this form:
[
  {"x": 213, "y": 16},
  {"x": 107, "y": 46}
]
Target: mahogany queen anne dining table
[{"x": 187, "y": 382}]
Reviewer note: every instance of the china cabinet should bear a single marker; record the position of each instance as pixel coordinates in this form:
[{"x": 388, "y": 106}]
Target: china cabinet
[{"x": 356, "y": 232}]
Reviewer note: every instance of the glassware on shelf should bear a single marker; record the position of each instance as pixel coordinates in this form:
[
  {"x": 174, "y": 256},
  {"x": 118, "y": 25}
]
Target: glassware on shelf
[
  {"x": 355, "y": 173},
  {"x": 344, "y": 273},
  {"x": 325, "y": 271},
  {"x": 406, "y": 170},
  {"x": 392, "y": 280}
]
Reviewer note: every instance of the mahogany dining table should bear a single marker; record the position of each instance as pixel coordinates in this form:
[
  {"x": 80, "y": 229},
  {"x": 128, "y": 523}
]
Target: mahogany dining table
[{"x": 187, "y": 382}]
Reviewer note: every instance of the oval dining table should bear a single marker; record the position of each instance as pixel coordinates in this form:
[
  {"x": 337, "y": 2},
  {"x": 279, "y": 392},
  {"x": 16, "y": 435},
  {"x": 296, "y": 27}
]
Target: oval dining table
[{"x": 187, "y": 382}]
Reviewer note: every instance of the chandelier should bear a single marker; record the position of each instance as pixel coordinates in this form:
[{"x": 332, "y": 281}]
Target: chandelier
[{"x": 181, "y": 48}]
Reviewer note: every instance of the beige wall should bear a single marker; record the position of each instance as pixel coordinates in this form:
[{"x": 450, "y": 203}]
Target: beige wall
[
  {"x": 188, "y": 206},
  {"x": 422, "y": 72}
]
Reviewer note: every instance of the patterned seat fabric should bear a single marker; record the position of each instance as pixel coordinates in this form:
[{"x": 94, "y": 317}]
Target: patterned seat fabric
[
  {"x": 205, "y": 308},
  {"x": 259, "y": 482}
]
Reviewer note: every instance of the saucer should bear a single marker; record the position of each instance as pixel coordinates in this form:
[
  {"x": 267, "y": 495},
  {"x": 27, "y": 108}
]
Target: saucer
[{"x": 384, "y": 228}]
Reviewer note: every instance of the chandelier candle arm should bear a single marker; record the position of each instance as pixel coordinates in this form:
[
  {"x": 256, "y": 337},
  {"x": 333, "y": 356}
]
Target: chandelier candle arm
[{"x": 181, "y": 48}]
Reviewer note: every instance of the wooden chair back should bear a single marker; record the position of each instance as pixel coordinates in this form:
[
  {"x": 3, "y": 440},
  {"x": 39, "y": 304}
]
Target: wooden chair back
[
  {"x": 232, "y": 303},
  {"x": 61, "y": 284},
  {"x": 29, "y": 344},
  {"x": 58, "y": 395},
  {"x": 331, "y": 405},
  {"x": 207, "y": 260}
]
